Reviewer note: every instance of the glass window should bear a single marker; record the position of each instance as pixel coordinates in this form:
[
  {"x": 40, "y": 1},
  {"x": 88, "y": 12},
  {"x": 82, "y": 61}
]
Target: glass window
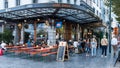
[
  {"x": 68, "y": 1},
  {"x": 97, "y": 2},
  {"x": 94, "y": 10},
  {"x": 59, "y": 1},
  {"x": 6, "y": 4},
  {"x": 94, "y": 1},
  {"x": 17, "y": 2},
  {"x": 35, "y": 1},
  {"x": 97, "y": 12},
  {"x": 103, "y": 10},
  {"x": 100, "y": 14},
  {"x": 75, "y": 1}
]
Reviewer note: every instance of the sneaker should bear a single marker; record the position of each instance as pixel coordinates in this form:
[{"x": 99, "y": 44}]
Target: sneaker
[{"x": 102, "y": 56}]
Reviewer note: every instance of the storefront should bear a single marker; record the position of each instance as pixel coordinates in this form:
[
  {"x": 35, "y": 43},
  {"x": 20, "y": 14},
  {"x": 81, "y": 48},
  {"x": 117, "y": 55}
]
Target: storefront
[{"x": 72, "y": 17}]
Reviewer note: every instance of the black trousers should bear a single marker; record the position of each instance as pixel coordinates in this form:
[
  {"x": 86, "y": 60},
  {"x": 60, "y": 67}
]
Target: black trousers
[{"x": 104, "y": 50}]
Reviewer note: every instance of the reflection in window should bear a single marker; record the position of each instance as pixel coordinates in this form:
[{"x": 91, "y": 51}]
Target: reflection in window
[
  {"x": 59, "y": 1},
  {"x": 75, "y": 1},
  {"x": 35, "y": 1},
  {"x": 6, "y": 4},
  {"x": 17, "y": 2},
  {"x": 68, "y": 1},
  {"x": 94, "y": 10}
]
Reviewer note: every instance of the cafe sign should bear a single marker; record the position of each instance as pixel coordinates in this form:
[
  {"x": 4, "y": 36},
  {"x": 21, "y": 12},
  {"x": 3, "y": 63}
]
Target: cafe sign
[{"x": 62, "y": 5}]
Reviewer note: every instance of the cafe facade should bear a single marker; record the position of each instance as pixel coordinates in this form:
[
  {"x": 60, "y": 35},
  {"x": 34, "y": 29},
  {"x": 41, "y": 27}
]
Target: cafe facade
[{"x": 61, "y": 20}]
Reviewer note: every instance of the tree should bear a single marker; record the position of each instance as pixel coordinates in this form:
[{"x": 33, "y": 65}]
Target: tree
[
  {"x": 115, "y": 7},
  {"x": 6, "y": 36}
]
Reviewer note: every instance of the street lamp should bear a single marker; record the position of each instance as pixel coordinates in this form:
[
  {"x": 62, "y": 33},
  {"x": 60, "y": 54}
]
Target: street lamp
[{"x": 109, "y": 36}]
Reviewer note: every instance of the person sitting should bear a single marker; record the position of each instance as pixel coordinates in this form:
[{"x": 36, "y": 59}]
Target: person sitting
[
  {"x": 75, "y": 44},
  {"x": 29, "y": 43},
  {"x": 44, "y": 45},
  {"x": 3, "y": 44},
  {"x": 10, "y": 44}
]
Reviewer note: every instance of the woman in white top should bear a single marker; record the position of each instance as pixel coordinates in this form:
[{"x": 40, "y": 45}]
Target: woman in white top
[
  {"x": 93, "y": 46},
  {"x": 114, "y": 43}
]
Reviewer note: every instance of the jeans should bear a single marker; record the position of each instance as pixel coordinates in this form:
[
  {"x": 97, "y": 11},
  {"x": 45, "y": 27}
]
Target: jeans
[
  {"x": 93, "y": 51},
  {"x": 104, "y": 50},
  {"x": 87, "y": 49}
]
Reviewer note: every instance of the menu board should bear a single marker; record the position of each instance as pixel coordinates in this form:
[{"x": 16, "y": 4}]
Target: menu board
[{"x": 61, "y": 51}]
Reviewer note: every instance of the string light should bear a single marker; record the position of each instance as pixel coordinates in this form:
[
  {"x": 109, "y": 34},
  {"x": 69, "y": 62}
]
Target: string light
[{"x": 38, "y": 19}]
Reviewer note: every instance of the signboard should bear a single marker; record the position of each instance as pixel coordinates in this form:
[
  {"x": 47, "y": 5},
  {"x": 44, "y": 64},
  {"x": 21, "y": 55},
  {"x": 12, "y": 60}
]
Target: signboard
[
  {"x": 62, "y": 5},
  {"x": 62, "y": 53},
  {"x": 58, "y": 24}
]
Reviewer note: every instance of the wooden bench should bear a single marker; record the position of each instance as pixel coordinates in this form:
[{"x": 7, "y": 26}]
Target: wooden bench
[
  {"x": 38, "y": 51},
  {"x": 33, "y": 53},
  {"x": 18, "y": 51},
  {"x": 46, "y": 54},
  {"x": 43, "y": 52}
]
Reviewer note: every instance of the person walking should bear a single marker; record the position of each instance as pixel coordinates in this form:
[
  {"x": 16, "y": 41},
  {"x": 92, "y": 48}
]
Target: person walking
[
  {"x": 87, "y": 47},
  {"x": 93, "y": 46},
  {"x": 104, "y": 43},
  {"x": 114, "y": 43}
]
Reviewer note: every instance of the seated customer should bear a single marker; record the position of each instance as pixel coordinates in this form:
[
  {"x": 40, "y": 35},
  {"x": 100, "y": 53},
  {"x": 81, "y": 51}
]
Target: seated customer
[
  {"x": 3, "y": 46},
  {"x": 44, "y": 45},
  {"x": 29, "y": 43}
]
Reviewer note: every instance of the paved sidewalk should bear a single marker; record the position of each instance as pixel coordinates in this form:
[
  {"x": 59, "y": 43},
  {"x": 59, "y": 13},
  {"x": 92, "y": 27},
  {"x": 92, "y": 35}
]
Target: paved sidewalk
[{"x": 76, "y": 61}]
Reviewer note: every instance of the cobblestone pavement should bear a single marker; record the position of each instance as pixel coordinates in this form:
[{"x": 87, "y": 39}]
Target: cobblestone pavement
[{"x": 75, "y": 61}]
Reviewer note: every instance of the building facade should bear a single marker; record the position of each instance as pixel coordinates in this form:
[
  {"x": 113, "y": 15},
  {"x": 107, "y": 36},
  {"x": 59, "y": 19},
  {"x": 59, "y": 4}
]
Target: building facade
[{"x": 75, "y": 13}]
